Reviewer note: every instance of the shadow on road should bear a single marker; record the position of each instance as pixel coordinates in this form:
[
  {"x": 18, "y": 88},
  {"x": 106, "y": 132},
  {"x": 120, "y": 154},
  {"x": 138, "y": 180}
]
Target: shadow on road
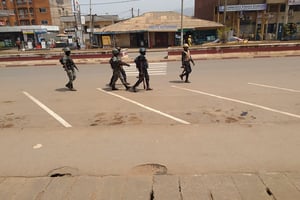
[
  {"x": 177, "y": 81},
  {"x": 62, "y": 89}
]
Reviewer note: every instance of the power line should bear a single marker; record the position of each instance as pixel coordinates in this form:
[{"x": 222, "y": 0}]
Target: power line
[{"x": 108, "y": 3}]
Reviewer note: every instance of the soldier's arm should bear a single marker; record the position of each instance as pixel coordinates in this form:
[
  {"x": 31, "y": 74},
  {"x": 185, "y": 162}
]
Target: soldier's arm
[
  {"x": 191, "y": 59},
  {"x": 124, "y": 63},
  {"x": 73, "y": 64}
]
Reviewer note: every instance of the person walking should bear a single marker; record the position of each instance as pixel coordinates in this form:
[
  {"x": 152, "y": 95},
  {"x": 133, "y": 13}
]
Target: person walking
[
  {"x": 69, "y": 66},
  {"x": 186, "y": 60},
  {"x": 122, "y": 71},
  {"x": 142, "y": 65},
  {"x": 189, "y": 40},
  {"x": 18, "y": 43},
  {"x": 116, "y": 65}
]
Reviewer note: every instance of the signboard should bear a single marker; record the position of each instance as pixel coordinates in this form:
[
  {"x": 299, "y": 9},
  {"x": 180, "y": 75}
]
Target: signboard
[
  {"x": 246, "y": 7},
  {"x": 106, "y": 40},
  {"x": 294, "y": 2},
  {"x": 28, "y": 31}
]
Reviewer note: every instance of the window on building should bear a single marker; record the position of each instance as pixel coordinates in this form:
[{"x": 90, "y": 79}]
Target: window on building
[
  {"x": 59, "y": 11},
  {"x": 282, "y": 7},
  {"x": 43, "y": 10},
  {"x": 295, "y": 8},
  {"x": 44, "y": 22},
  {"x": 273, "y": 8}
]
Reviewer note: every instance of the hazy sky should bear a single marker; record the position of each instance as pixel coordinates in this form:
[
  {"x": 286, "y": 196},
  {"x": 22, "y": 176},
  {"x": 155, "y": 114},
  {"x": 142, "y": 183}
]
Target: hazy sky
[{"x": 123, "y": 7}]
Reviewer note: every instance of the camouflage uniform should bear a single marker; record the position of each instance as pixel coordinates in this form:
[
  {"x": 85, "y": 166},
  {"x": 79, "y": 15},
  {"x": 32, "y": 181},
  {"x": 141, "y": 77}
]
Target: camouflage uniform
[
  {"x": 69, "y": 66},
  {"x": 116, "y": 64}
]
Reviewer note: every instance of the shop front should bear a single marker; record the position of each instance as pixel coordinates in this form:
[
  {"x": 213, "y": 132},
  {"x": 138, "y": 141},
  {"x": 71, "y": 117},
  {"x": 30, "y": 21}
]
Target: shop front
[{"x": 247, "y": 21}]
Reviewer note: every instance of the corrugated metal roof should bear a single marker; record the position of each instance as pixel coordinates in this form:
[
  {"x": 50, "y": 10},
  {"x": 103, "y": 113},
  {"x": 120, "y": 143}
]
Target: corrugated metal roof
[{"x": 158, "y": 22}]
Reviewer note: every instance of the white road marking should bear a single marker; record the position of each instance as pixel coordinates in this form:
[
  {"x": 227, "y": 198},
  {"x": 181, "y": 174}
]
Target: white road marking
[
  {"x": 48, "y": 110},
  {"x": 241, "y": 102},
  {"x": 154, "y": 69},
  {"x": 146, "y": 107},
  {"x": 274, "y": 87}
]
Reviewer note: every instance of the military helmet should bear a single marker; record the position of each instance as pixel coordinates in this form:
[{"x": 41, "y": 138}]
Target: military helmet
[
  {"x": 143, "y": 50},
  {"x": 67, "y": 49},
  {"x": 115, "y": 52},
  {"x": 185, "y": 45}
]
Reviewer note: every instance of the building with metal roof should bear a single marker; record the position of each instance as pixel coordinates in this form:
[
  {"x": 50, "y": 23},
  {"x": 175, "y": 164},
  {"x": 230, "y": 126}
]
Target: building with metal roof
[{"x": 156, "y": 29}]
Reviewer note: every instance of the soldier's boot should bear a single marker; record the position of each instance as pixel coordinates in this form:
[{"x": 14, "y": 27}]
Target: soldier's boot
[
  {"x": 134, "y": 89},
  {"x": 181, "y": 76},
  {"x": 147, "y": 85},
  {"x": 113, "y": 87},
  {"x": 187, "y": 78},
  {"x": 71, "y": 87},
  {"x": 68, "y": 85},
  {"x": 127, "y": 87}
]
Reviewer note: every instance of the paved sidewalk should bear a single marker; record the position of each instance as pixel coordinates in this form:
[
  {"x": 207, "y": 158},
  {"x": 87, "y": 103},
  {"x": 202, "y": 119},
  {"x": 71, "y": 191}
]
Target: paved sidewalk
[
  {"x": 238, "y": 186},
  {"x": 103, "y": 56}
]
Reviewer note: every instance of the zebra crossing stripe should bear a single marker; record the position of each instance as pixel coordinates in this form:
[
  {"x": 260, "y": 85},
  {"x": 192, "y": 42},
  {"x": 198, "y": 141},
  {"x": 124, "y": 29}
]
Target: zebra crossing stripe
[{"x": 155, "y": 69}]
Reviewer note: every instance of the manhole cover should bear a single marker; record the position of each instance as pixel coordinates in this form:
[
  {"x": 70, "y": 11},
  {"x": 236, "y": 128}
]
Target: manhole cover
[{"x": 149, "y": 169}]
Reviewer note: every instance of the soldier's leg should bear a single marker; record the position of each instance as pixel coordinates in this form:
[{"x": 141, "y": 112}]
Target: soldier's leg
[
  {"x": 123, "y": 74},
  {"x": 147, "y": 78},
  {"x": 70, "y": 77},
  {"x": 123, "y": 81},
  {"x": 188, "y": 71},
  {"x": 114, "y": 79},
  {"x": 141, "y": 78}
]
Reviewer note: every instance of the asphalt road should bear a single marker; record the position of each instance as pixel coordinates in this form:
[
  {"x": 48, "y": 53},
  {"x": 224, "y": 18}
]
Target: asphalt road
[{"x": 237, "y": 115}]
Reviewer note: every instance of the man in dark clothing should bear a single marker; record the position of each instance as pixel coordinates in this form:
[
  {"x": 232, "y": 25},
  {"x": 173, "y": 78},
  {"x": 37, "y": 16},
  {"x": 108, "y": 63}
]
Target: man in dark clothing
[
  {"x": 69, "y": 66},
  {"x": 116, "y": 65},
  {"x": 122, "y": 71},
  {"x": 186, "y": 60},
  {"x": 142, "y": 65}
]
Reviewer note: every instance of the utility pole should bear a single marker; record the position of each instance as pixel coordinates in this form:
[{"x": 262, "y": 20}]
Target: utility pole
[
  {"x": 132, "y": 15},
  {"x": 218, "y": 10},
  {"x": 225, "y": 12},
  {"x": 75, "y": 18},
  {"x": 181, "y": 37},
  {"x": 286, "y": 14},
  {"x": 91, "y": 33}
]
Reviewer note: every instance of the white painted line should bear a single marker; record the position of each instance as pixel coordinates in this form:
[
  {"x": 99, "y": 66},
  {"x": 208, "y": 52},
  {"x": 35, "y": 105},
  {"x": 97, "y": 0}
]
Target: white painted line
[
  {"x": 274, "y": 87},
  {"x": 241, "y": 102},
  {"x": 146, "y": 107},
  {"x": 48, "y": 110}
]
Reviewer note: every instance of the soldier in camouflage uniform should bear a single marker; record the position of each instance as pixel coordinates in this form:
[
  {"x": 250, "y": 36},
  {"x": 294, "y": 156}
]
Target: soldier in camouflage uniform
[
  {"x": 69, "y": 66},
  {"x": 142, "y": 65},
  {"x": 116, "y": 64}
]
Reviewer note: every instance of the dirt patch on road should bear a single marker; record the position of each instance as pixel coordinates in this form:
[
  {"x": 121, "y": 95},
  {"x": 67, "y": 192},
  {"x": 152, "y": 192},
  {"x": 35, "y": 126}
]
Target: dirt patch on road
[
  {"x": 114, "y": 119},
  {"x": 10, "y": 120},
  {"x": 230, "y": 116}
]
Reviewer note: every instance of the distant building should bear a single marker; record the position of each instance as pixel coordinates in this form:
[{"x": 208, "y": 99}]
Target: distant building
[
  {"x": 36, "y": 34},
  {"x": 89, "y": 25},
  {"x": 156, "y": 29},
  {"x": 33, "y": 12},
  {"x": 254, "y": 19}
]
